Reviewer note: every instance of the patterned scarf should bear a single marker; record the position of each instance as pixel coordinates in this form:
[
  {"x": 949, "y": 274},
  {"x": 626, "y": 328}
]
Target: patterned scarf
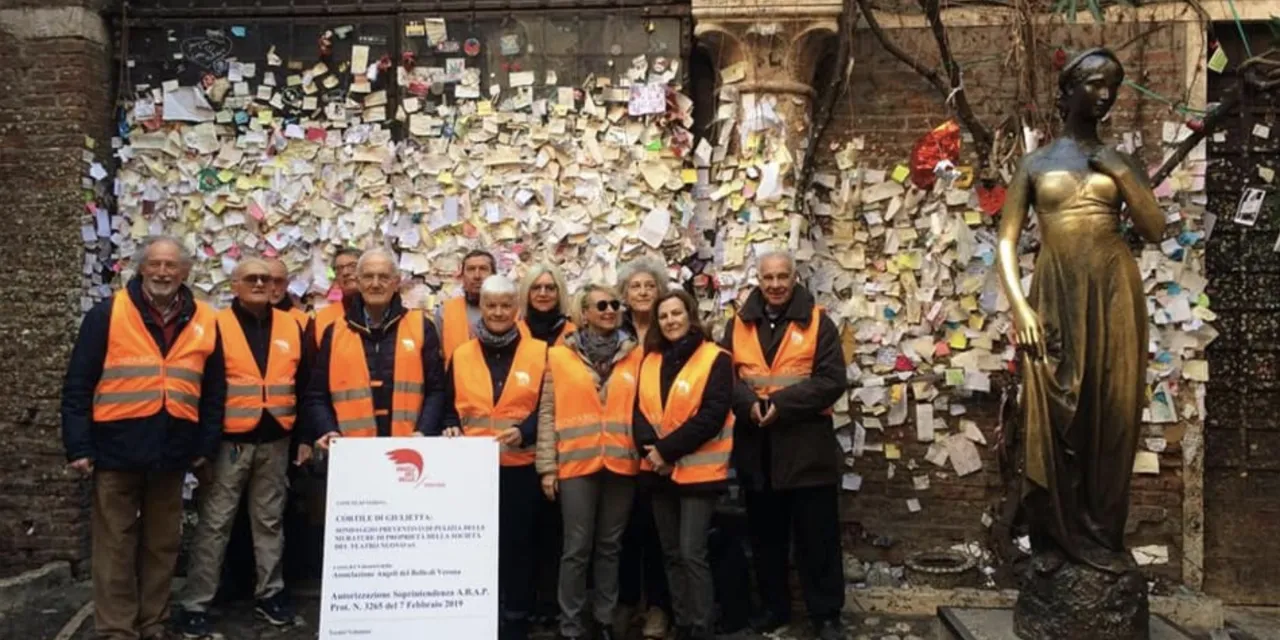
[
  {"x": 599, "y": 349},
  {"x": 495, "y": 341}
]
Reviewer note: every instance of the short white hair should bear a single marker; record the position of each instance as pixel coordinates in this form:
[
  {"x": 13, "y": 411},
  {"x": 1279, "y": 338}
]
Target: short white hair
[
  {"x": 497, "y": 286},
  {"x": 379, "y": 252},
  {"x": 770, "y": 255},
  {"x": 643, "y": 264}
]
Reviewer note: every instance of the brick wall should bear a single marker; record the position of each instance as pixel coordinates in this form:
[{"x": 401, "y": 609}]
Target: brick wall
[
  {"x": 891, "y": 107},
  {"x": 53, "y": 92}
]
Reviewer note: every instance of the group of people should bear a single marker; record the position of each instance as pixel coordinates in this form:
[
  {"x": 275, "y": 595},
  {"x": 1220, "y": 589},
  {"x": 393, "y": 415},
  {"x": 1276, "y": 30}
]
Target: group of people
[{"x": 615, "y": 407}]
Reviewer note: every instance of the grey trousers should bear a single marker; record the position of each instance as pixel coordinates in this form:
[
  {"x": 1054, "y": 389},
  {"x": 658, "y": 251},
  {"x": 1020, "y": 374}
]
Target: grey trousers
[
  {"x": 595, "y": 510},
  {"x": 683, "y": 523},
  {"x": 262, "y": 469}
]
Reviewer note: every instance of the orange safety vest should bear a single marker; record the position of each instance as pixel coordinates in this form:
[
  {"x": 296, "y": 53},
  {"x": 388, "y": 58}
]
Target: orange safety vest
[
  {"x": 710, "y": 463},
  {"x": 456, "y": 330},
  {"x": 473, "y": 395},
  {"x": 351, "y": 389},
  {"x": 569, "y": 328},
  {"x": 299, "y": 316},
  {"x": 591, "y": 436},
  {"x": 792, "y": 363},
  {"x": 327, "y": 316},
  {"x": 249, "y": 392},
  {"x": 138, "y": 380}
]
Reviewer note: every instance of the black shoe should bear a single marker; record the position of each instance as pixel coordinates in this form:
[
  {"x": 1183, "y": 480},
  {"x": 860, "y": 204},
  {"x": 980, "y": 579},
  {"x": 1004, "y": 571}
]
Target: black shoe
[
  {"x": 194, "y": 625},
  {"x": 606, "y": 633},
  {"x": 276, "y": 611},
  {"x": 830, "y": 630},
  {"x": 768, "y": 622},
  {"x": 514, "y": 630}
]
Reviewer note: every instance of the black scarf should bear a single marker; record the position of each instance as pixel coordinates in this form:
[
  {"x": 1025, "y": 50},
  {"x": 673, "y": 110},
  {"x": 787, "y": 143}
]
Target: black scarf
[
  {"x": 495, "y": 341},
  {"x": 545, "y": 325}
]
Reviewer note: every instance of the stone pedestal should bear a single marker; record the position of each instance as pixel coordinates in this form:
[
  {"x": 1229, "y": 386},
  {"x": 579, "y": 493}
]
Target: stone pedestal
[
  {"x": 1066, "y": 601},
  {"x": 957, "y": 623}
]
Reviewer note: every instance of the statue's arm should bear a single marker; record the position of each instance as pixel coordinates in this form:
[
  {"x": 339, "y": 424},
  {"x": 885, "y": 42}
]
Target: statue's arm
[
  {"x": 1148, "y": 218},
  {"x": 1012, "y": 217}
]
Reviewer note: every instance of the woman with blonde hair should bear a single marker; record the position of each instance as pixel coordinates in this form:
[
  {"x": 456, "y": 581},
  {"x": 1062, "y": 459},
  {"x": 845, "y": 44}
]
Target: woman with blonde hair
[
  {"x": 587, "y": 458},
  {"x": 640, "y": 283},
  {"x": 544, "y": 303}
]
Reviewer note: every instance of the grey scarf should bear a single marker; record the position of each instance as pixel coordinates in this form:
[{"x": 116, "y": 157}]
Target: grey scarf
[
  {"x": 599, "y": 349},
  {"x": 495, "y": 341}
]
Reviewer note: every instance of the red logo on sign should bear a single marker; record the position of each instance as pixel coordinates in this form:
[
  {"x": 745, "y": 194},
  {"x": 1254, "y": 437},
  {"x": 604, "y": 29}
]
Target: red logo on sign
[{"x": 408, "y": 464}]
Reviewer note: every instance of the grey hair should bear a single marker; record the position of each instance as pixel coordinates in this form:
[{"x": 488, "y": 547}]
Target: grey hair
[
  {"x": 539, "y": 270},
  {"x": 497, "y": 286},
  {"x": 769, "y": 255},
  {"x": 140, "y": 255},
  {"x": 248, "y": 262},
  {"x": 381, "y": 252},
  {"x": 643, "y": 264}
]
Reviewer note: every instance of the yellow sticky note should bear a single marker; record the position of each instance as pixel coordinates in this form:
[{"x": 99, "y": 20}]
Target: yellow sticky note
[
  {"x": 891, "y": 451},
  {"x": 225, "y": 176},
  {"x": 445, "y": 177},
  {"x": 736, "y": 201},
  {"x": 688, "y": 176},
  {"x": 975, "y": 322},
  {"x": 901, "y": 173},
  {"x": 484, "y": 108},
  {"x": 969, "y": 303},
  {"x": 955, "y": 377},
  {"x": 245, "y": 183},
  {"x": 218, "y": 206},
  {"x": 972, "y": 218},
  {"x": 958, "y": 340},
  {"x": 90, "y": 143},
  {"x": 966, "y": 177},
  {"x": 265, "y": 117}
]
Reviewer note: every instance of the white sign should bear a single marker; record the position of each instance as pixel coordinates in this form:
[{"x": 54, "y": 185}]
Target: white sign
[{"x": 411, "y": 539}]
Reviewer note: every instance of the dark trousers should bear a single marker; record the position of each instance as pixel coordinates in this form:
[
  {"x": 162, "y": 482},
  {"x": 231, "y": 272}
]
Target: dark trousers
[
  {"x": 518, "y": 496},
  {"x": 813, "y": 513},
  {"x": 641, "y": 572}
]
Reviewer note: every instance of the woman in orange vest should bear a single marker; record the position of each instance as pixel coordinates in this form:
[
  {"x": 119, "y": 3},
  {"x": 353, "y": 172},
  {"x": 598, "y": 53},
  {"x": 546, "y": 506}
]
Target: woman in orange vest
[
  {"x": 684, "y": 431},
  {"x": 587, "y": 456},
  {"x": 544, "y": 302},
  {"x": 494, "y": 384},
  {"x": 642, "y": 574}
]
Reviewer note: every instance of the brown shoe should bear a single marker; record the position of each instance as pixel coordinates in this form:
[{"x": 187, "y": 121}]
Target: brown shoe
[{"x": 655, "y": 624}]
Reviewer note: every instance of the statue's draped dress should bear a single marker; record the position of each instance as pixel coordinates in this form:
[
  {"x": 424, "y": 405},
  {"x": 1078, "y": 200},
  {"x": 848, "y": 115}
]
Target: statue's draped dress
[{"x": 1082, "y": 404}]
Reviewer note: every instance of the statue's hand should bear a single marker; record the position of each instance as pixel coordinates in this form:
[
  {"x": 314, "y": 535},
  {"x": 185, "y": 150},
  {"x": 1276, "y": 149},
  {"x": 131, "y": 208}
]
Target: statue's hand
[
  {"x": 1029, "y": 332},
  {"x": 1109, "y": 161}
]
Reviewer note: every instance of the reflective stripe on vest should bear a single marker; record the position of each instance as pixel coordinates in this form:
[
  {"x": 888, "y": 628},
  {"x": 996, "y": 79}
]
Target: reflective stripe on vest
[
  {"x": 351, "y": 389},
  {"x": 792, "y": 363},
  {"x": 137, "y": 380},
  {"x": 568, "y": 328},
  {"x": 456, "y": 330},
  {"x": 249, "y": 391},
  {"x": 591, "y": 436},
  {"x": 710, "y": 463},
  {"x": 479, "y": 415},
  {"x": 327, "y": 316}
]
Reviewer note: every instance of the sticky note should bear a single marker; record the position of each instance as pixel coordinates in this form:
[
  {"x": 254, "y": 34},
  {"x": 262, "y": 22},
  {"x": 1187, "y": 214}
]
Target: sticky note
[
  {"x": 1218, "y": 61},
  {"x": 445, "y": 177},
  {"x": 688, "y": 176},
  {"x": 225, "y": 175},
  {"x": 891, "y": 451},
  {"x": 972, "y": 218},
  {"x": 900, "y": 173},
  {"x": 265, "y": 117},
  {"x": 484, "y": 108},
  {"x": 238, "y": 31},
  {"x": 958, "y": 340}
]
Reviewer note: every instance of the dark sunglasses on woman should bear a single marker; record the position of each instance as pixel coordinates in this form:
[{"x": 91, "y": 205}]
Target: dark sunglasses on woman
[{"x": 601, "y": 305}]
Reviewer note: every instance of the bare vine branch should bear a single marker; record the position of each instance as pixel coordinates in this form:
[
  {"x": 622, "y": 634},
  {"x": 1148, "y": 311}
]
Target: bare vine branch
[{"x": 825, "y": 112}]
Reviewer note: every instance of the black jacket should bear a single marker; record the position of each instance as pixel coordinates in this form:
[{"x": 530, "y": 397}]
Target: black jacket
[
  {"x": 257, "y": 332},
  {"x": 703, "y": 426},
  {"x": 499, "y": 363},
  {"x": 158, "y": 442},
  {"x": 380, "y": 358},
  {"x": 800, "y": 448}
]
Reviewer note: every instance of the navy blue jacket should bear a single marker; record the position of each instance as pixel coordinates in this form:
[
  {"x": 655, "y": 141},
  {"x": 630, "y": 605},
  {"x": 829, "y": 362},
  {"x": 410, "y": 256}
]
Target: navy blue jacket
[
  {"x": 380, "y": 359},
  {"x": 499, "y": 362},
  {"x": 156, "y": 443}
]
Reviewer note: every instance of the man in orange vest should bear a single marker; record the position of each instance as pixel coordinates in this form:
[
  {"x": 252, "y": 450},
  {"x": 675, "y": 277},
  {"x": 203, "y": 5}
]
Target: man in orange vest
[
  {"x": 457, "y": 317},
  {"x": 280, "y": 298},
  {"x": 143, "y": 402},
  {"x": 495, "y": 383},
  {"x": 378, "y": 372},
  {"x": 344, "y": 269},
  {"x": 786, "y": 352},
  {"x": 262, "y": 347}
]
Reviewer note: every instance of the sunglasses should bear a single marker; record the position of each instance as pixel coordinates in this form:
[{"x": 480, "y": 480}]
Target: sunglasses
[
  {"x": 601, "y": 305},
  {"x": 259, "y": 278}
]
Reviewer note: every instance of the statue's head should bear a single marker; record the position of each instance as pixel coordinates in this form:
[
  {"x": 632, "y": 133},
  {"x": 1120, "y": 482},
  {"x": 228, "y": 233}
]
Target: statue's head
[{"x": 1088, "y": 84}]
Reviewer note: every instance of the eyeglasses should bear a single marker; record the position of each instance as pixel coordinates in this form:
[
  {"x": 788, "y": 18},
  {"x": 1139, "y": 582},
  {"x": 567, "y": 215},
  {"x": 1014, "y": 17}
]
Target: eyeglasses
[
  {"x": 371, "y": 278},
  {"x": 544, "y": 288},
  {"x": 256, "y": 278},
  {"x": 601, "y": 305}
]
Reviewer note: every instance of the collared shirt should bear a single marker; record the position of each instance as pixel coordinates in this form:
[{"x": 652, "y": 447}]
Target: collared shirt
[{"x": 167, "y": 317}]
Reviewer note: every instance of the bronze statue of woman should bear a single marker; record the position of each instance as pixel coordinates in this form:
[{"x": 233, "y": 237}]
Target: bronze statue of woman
[{"x": 1082, "y": 332}]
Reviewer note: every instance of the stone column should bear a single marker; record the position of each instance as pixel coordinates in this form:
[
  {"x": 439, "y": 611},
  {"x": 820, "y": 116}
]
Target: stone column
[{"x": 55, "y": 87}]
